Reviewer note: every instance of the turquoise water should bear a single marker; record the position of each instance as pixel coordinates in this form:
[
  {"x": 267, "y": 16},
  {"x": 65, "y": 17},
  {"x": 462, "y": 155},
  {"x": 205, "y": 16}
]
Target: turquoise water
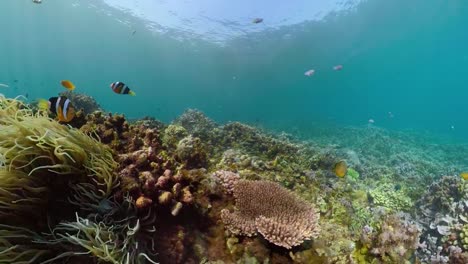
[{"x": 404, "y": 57}]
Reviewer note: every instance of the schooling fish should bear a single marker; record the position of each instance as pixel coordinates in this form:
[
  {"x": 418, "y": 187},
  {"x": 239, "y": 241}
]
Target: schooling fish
[
  {"x": 68, "y": 85},
  {"x": 257, "y": 20},
  {"x": 121, "y": 88},
  {"x": 37, "y": 1},
  {"x": 340, "y": 168},
  {"x": 61, "y": 106}
]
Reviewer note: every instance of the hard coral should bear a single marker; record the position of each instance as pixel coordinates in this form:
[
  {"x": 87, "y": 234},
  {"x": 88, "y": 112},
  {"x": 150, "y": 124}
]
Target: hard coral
[
  {"x": 394, "y": 241},
  {"x": 191, "y": 151},
  {"x": 82, "y": 102},
  {"x": 267, "y": 208},
  {"x": 196, "y": 123}
]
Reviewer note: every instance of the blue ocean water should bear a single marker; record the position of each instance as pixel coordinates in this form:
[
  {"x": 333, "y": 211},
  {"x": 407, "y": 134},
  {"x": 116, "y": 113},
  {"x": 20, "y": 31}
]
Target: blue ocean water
[{"x": 403, "y": 57}]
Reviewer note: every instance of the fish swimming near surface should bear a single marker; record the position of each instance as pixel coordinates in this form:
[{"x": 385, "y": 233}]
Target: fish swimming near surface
[
  {"x": 309, "y": 73},
  {"x": 464, "y": 175},
  {"x": 338, "y": 67},
  {"x": 68, "y": 85},
  {"x": 121, "y": 88},
  {"x": 61, "y": 106},
  {"x": 340, "y": 168},
  {"x": 257, "y": 20}
]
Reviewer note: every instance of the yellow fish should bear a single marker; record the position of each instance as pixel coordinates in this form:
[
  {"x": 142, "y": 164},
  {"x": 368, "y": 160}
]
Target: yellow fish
[
  {"x": 340, "y": 168},
  {"x": 67, "y": 84},
  {"x": 464, "y": 175}
]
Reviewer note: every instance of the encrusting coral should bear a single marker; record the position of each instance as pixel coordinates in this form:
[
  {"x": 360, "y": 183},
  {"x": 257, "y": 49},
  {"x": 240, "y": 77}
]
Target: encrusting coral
[{"x": 271, "y": 210}]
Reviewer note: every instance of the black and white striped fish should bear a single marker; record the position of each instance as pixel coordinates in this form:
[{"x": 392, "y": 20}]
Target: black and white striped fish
[
  {"x": 121, "y": 88},
  {"x": 61, "y": 106}
]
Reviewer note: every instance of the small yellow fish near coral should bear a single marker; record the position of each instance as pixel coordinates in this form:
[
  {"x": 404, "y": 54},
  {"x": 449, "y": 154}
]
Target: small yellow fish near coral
[
  {"x": 464, "y": 175},
  {"x": 61, "y": 106},
  {"x": 340, "y": 168},
  {"x": 68, "y": 85}
]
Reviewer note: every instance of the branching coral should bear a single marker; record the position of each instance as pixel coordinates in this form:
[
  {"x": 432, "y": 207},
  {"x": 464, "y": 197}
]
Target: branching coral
[{"x": 271, "y": 210}]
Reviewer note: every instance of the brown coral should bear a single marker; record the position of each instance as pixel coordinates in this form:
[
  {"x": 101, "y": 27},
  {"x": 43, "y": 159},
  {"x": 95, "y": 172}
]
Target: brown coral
[
  {"x": 228, "y": 179},
  {"x": 271, "y": 210}
]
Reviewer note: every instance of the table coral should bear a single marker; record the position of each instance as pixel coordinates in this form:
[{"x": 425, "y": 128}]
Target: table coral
[{"x": 271, "y": 210}]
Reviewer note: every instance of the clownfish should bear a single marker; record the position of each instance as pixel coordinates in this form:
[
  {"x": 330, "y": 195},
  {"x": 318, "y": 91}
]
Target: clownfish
[
  {"x": 121, "y": 88},
  {"x": 61, "y": 106},
  {"x": 68, "y": 85}
]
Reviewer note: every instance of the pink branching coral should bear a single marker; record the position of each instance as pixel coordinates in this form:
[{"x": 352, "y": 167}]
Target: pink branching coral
[{"x": 267, "y": 208}]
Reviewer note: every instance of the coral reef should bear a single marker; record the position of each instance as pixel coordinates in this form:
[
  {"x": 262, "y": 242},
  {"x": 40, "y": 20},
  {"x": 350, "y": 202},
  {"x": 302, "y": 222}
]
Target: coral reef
[
  {"x": 111, "y": 190},
  {"x": 393, "y": 240},
  {"x": 388, "y": 196},
  {"x": 287, "y": 220},
  {"x": 443, "y": 213},
  {"x": 48, "y": 172},
  {"x": 83, "y": 102}
]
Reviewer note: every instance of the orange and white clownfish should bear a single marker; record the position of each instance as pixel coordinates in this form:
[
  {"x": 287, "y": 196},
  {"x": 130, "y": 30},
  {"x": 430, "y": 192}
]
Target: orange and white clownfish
[
  {"x": 121, "y": 88},
  {"x": 61, "y": 106}
]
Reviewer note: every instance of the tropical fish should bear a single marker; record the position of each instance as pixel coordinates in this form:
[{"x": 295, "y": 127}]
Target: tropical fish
[
  {"x": 61, "y": 106},
  {"x": 340, "y": 168},
  {"x": 338, "y": 67},
  {"x": 257, "y": 20},
  {"x": 371, "y": 121},
  {"x": 121, "y": 88},
  {"x": 464, "y": 175},
  {"x": 37, "y": 1},
  {"x": 309, "y": 73},
  {"x": 4, "y": 85},
  {"x": 68, "y": 85}
]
